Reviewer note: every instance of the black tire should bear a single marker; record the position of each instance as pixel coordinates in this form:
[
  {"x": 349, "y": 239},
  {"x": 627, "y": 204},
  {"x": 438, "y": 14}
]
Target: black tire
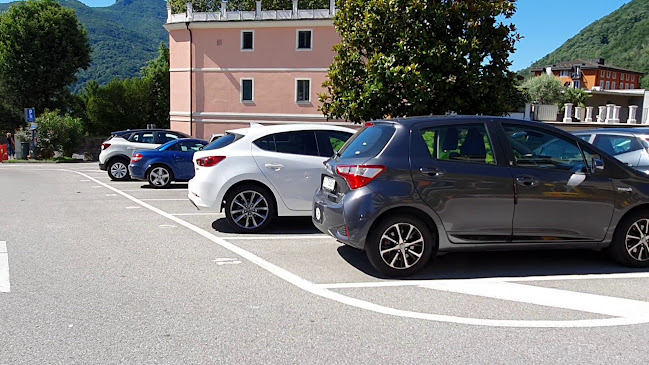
[
  {"x": 118, "y": 169},
  {"x": 622, "y": 249},
  {"x": 401, "y": 258},
  {"x": 160, "y": 176},
  {"x": 246, "y": 218}
]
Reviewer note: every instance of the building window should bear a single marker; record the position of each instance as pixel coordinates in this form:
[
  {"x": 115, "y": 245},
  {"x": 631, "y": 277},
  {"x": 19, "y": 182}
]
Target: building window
[
  {"x": 601, "y": 85},
  {"x": 614, "y": 75},
  {"x": 628, "y": 86},
  {"x": 608, "y": 85},
  {"x": 247, "y": 37},
  {"x": 621, "y": 85},
  {"x": 601, "y": 73},
  {"x": 576, "y": 84},
  {"x": 247, "y": 90},
  {"x": 613, "y": 86},
  {"x": 632, "y": 77},
  {"x": 303, "y": 91},
  {"x": 627, "y": 77},
  {"x": 632, "y": 86},
  {"x": 608, "y": 74},
  {"x": 304, "y": 39},
  {"x": 565, "y": 73}
]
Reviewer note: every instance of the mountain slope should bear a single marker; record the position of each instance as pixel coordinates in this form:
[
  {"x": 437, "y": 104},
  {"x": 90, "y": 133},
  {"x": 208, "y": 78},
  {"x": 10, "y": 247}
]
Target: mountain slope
[
  {"x": 621, "y": 38},
  {"x": 123, "y": 36}
]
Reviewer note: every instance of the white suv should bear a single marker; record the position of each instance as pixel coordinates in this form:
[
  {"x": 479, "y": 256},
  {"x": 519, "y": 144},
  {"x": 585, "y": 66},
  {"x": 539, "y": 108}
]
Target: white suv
[
  {"x": 117, "y": 150},
  {"x": 259, "y": 173}
]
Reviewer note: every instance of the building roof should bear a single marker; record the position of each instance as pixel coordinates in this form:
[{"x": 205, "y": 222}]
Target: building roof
[{"x": 585, "y": 65}]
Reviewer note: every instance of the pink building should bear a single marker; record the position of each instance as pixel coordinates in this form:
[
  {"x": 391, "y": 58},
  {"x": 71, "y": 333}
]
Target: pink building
[{"x": 232, "y": 68}]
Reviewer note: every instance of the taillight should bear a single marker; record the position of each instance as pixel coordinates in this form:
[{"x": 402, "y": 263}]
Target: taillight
[
  {"x": 104, "y": 146},
  {"x": 136, "y": 157},
  {"x": 369, "y": 124},
  {"x": 358, "y": 176},
  {"x": 209, "y": 160}
]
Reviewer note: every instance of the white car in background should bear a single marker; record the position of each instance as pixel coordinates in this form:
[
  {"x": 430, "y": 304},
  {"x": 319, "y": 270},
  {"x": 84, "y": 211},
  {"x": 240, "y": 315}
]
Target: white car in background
[{"x": 259, "y": 173}]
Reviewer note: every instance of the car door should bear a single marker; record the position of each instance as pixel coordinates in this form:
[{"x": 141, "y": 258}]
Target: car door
[
  {"x": 141, "y": 141},
  {"x": 291, "y": 162},
  {"x": 460, "y": 172},
  {"x": 556, "y": 197},
  {"x": 183, "y": 158}
]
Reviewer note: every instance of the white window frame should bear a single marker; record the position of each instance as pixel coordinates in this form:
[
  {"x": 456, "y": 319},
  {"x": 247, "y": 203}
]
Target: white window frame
[
  {"x": 608, "y": 74},
  {"x": 613, "y": 85},
  {"x": 628, "y": 77},
  {"x": 576, "y": 84},
  {"x": 621, "y": 85},
  {"x": 633, "y": 78},
  {"x": 602, "y": 73},
  {"x": 310, "y": 90},
  {"x": 253, "y": 40},
  {"x": 564, "y": 73},
  {"x": 601, "y": 84},
  {"x": 241, "y": 80},
  {"x": 608, "y": 85},
  {"x": 297, "y": 40},
  {"x": 614, "y": 75}
]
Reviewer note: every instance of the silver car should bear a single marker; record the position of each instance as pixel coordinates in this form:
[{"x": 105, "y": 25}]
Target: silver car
[{"x": 629, "y": 145}]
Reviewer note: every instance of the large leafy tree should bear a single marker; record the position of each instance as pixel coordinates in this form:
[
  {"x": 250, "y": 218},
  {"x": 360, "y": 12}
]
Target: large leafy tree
[
  {"x": 156, "y": 76},
  {"x": 42, "y": 46},
  {"x": 544, "y": 89},
  {"x": 417, "y": 57}
]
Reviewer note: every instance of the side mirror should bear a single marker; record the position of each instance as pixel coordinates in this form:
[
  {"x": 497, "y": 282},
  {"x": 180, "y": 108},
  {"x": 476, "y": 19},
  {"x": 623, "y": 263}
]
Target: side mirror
[{"x": 596, "y": 165}]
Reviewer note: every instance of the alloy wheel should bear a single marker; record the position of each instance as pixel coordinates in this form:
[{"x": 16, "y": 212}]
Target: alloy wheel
[
  {"x": 249, "y": 209},
  {"x": 637, "y": 240},
  {"x": 159, "y": 176},
  {"x": 401, "y": 246},
  {"x": 118, "y": 170}
]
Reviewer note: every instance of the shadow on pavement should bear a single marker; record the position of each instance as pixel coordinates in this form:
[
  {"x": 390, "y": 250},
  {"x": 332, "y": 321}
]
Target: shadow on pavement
[
  {"x": 286, "y": 226},
  {"x": 470, "y": 265},
  {"x": 171, "y": 186}
]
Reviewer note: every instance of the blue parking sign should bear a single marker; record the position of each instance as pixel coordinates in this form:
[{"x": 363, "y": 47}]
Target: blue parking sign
[{"x": 30, "y": 115}]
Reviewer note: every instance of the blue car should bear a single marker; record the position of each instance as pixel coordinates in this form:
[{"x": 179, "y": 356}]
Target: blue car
[{"x": 171, "y": 161}]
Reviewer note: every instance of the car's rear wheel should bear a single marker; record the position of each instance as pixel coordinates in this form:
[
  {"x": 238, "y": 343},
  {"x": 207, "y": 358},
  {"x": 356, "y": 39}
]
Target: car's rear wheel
[
  {"x": 160, "y": 177},
  {"x": 249, "y": 208},
  {"x": 400, "y": 245},
  {"x": 118, "y": 170},
  {"x": 630, "y": 245}
]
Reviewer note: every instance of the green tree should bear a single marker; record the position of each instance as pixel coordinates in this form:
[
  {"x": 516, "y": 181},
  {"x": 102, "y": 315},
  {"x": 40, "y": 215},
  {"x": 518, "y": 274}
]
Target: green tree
[
  {"x": 42, "y": 46},
  {"x": 544, "y": 89},
  {"x": 156, "y": 76},
  {"x": 577, "y": 97},
  {"x": 416, "y": 57},
  {"x": 59, "y": 133}
]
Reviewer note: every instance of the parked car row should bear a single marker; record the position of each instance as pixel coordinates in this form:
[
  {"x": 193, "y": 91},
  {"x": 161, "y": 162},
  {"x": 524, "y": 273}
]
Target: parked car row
[{"x": 403, "y": 190}]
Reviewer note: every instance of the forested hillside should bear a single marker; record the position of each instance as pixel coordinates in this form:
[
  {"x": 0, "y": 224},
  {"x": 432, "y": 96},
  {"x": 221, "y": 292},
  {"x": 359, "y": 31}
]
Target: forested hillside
[
  {"x": 621, "y": 38},
  {"x": 123, "y": 36}
]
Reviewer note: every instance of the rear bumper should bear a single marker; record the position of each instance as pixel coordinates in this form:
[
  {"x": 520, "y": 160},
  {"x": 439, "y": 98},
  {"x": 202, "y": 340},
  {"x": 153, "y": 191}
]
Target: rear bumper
[
  {"x": 102, "y": 166},
  {"x": 203, "y": 195},
  {"x": 330, "y": 218}
]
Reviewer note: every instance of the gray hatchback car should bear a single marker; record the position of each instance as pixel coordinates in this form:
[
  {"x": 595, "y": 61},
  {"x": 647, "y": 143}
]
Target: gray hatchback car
[
  {"x": 629, "y": 145},
  {"x": 405, "y": 189}
]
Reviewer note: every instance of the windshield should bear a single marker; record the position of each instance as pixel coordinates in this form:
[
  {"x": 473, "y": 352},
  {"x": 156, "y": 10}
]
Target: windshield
[
  {"x": 369, "y": 142},
  {"x": 226, "y": 140}
]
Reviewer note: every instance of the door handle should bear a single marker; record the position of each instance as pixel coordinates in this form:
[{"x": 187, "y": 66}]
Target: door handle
[
  {"x": 527, "y": 180},
  {"x": 274, "y": 166},
  {"x": 131, "y": 148},
  {"x": 431, "y": 171}
]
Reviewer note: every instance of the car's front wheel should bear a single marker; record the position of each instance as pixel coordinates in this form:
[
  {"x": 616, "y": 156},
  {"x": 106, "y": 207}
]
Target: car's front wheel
[
  {"x": 249, "y": 208},
  {"x": 400, "y": 245},
  {"x": 160, "y": 177},
  {"x": 118, "y": 170},
  {"x": 630, "y": 245}
]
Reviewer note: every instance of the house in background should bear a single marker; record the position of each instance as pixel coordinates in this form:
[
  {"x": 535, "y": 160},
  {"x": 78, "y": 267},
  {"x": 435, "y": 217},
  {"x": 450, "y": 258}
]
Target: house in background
[
  {"x": 592, "y": 75},
  {"x": 230, "y": 68}
]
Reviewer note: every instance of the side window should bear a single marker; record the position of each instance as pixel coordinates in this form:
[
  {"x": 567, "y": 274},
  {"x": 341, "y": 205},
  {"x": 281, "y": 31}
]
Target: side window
[
  {"x": 189, "y": 146},
  {"x": 330, "y": 142},
  {"x": 540, "y": 149},
  {"x": 297, "y": 143},
  {"x": 616, "y": 144},
  {"x": 142, "y": 137},
  {"x": 466, "y": 143},
  {"x": 164, "y": 137},
  {"x": 266, "y": 143}
]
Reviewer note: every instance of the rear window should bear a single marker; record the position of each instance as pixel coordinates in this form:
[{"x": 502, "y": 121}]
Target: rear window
[
  {"x": 226, "y": 140},
  {"x": 369, "y": 142}
]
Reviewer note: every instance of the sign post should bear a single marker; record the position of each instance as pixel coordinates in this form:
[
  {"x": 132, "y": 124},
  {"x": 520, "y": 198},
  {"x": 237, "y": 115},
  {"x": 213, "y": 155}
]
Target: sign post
[{"x": 30, "y": 119}]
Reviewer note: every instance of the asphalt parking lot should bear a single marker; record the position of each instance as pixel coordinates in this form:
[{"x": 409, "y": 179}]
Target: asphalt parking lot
[{"x": 131, "y": 264}]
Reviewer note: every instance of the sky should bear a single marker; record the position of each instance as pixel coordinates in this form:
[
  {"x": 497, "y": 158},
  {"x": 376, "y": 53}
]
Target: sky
[{"x": 544, "y": 24}]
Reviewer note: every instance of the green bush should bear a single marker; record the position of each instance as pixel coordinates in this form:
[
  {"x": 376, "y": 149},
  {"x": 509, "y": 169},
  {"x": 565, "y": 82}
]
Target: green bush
[
  {"x": 59, "y": 133},
  {"x": 544, "y": 89}
]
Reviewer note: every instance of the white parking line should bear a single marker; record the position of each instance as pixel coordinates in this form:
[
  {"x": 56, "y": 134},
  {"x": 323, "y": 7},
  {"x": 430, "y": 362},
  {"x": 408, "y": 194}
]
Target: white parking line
[
  {"x": 549, "y": 297},
  {"x": 162, "y": 200},
  {"x": 4, "y": 268},
  {"x": 278, "y": 237},
  {"x": 362, "y": 304},
  {"x": 184, "y": 214}
]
